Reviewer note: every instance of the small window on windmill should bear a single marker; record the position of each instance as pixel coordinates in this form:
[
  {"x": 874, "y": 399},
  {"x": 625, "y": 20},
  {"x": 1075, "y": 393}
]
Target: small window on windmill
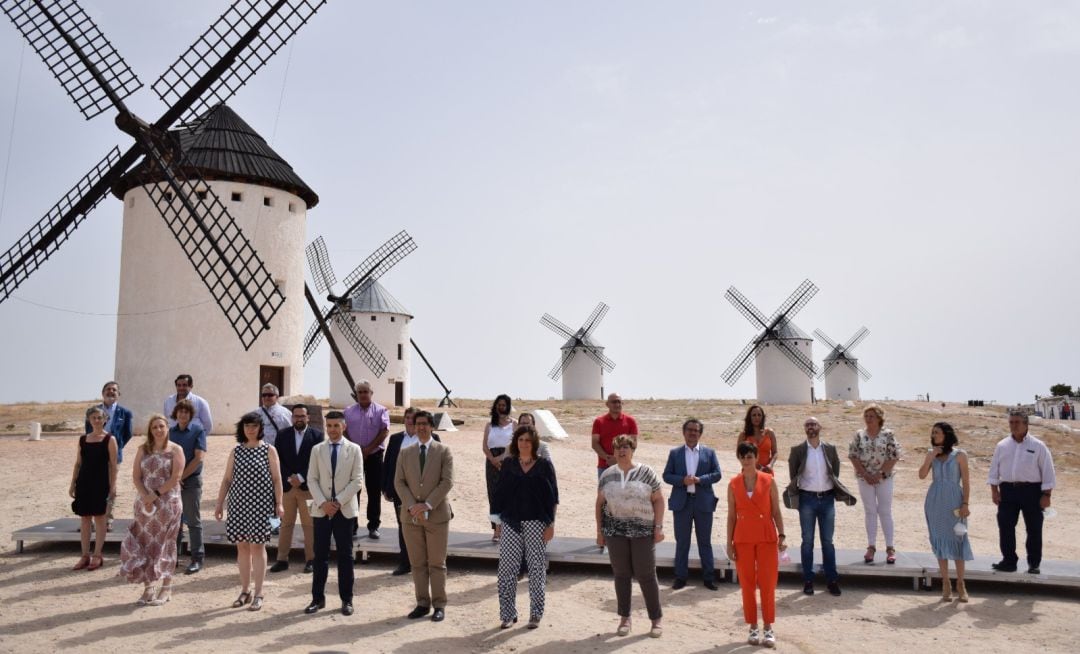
[
  {"x": 373, "y": 319},
  {"x": 268, "y": 201},
  {"x": 353, "y": 318},
  {"x": 131, "y": 202},
  {"x": 400, "y": 351},
  {"x": 168, "y": 197},
  {"x": 392, "y": 319},
  {"x": 237, "y": 196},
  {"x": 280, "y": 284},
  {"x": 292, "y": 207},
  {"x": 201, "y": 194}
]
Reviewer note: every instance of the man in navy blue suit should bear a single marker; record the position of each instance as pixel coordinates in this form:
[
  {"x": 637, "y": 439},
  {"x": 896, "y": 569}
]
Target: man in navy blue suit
[
  {"x": 692, "y": 469},
  {"x": 117, "y": 423},
  {"x": 294, "y": 454}
]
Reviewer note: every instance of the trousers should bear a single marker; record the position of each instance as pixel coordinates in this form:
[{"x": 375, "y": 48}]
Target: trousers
[{"x": 758, "y": 565}]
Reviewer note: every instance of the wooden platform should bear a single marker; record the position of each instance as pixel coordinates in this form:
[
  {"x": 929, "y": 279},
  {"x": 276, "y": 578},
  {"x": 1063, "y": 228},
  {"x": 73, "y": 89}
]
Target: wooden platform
[{"x": 920, "y": 567}]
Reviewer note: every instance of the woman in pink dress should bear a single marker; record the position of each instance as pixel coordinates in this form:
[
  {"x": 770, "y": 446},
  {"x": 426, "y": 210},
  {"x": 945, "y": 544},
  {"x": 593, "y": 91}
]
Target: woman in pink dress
[{"x": 148, "y": 553}]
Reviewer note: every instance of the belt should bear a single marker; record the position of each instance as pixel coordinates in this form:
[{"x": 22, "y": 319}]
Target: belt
[
  {"x": 691, "y": 494},
  {"x": 817, "y": 494},
  {"x": 1021, "y": 483}
]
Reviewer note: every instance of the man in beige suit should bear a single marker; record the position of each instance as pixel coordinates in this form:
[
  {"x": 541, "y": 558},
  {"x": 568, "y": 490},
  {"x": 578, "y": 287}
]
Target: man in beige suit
[
  {"x": 335, "y": 476},
  {"x": 423, "y": 478}
]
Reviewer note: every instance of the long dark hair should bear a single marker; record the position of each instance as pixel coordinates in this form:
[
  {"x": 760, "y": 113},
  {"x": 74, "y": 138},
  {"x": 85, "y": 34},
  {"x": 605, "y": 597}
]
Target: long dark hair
[
  {"x": 748, "y": 425},
  {"x": 495, "y": 408},
  {"x": 950, "y": 437}
]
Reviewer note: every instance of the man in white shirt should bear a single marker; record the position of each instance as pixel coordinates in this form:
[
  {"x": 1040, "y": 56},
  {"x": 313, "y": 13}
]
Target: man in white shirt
[
  {"x": 814, "y": 467},
  {"x": 184, "y": 383},
  {"x": 275, "y": 418},
  {"x": 1021, "y": 481}
]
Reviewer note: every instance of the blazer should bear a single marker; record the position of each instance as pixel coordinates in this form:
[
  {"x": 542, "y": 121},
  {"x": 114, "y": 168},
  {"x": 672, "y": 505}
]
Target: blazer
[
  {"x": 293, "y": 462},
  {"x": 347, "y": 482},
  {"x": 120, "y": 429},
  {"x": 796, "y": 463},
  {"x": 389, "y": 464},
  {"x": 433, "y": 486},
  {"x": 708, "y": 471},
  {"x": 754, "y": 521}
]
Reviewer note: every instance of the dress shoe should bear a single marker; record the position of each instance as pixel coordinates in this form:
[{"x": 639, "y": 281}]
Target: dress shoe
[
  {"x": 309, "y": 567},
  {"x": 279, "y": 566},
  {"x": 346, "y": 608},
  {"x": 373, "y": 534},
  {"x": 401, "y": 570},
  {"x": 711, "y": 585},
  {"x": 834, "y": 588},
  {"x": 315, "y": 606},
  {"x": 439, "y": 615},
  {"x": 1004, "y": 567},
  {"x": 679, "y": 583},
  {"x": 1033, "y": 570},
  {"x": 808, "y": 588},
  {"x": 419, "y": 612},
  {"x": 193, "y": 567}
]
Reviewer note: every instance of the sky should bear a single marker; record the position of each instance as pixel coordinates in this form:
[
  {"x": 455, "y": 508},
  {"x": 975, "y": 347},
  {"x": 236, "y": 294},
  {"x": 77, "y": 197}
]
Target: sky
[{"x": 917, "y": 161}]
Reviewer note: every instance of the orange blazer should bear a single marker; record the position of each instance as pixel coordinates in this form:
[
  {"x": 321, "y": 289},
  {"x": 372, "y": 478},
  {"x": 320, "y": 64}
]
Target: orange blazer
[{"x": 754, "y": 522}]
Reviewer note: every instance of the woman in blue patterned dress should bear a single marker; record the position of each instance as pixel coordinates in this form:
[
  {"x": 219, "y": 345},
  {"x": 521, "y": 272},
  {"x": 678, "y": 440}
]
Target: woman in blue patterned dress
[
  {"x": 947, "y": 506},
  {"x": 252, "y": 483}
]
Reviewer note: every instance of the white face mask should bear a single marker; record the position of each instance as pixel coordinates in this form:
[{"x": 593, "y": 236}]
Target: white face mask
[{"x": 960, "y": 529}]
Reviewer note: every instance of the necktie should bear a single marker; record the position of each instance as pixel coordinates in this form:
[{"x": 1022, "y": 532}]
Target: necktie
[
  {"x": 423, "y": 457},
  {"x": 333, "y": 470}
]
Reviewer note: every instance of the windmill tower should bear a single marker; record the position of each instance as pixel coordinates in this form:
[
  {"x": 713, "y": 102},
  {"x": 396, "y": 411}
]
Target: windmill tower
[
  {"x": 841, "y": 371},
  {"x": 582, "y": 376},
  {"x": 181, "y": 188},
  {"x": 783, "y": 352}
]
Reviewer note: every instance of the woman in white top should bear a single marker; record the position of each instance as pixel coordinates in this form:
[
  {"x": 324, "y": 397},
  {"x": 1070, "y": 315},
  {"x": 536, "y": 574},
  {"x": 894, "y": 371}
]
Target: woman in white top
[{"x": 497, "y": 436}]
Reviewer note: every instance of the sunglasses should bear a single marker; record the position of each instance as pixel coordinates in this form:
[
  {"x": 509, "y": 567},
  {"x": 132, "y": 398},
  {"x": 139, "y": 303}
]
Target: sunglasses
[{"x": 269, "y": 394}]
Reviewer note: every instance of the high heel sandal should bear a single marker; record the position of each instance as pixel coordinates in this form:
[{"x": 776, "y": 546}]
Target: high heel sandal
[
  {"x": 656, "y": 630},
  {"x": 84, "y": 561},
  {"x": 256, "y": 604},
  {"x": 96, "y": 561},
  {"x": 890, "y": 555},
  {"x": 147, "y": 596},
  {"x": 961, "y": 591},
  {"x": 946, "y": 591},
  {"x": 242, "y": 599},
  {"x": 624, "y": 627},
  {"x": 163, "y": 596},
  {"x": 870, "y": 552}
]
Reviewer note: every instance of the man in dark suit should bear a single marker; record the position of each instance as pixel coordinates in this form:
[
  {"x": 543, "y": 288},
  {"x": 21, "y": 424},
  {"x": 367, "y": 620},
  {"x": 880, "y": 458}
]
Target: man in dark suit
[
  {"x": 294, "y": 453},
  {"x": 394, "y": 446},
  {"x": 117, "y": 423},
  {"x": 814, "y": 467},
  {"x": 692, "y": 469}
]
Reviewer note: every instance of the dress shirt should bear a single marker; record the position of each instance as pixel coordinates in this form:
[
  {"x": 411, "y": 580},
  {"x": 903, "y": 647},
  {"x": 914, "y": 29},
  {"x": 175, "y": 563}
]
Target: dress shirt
[
  {"x": 815, "y": 475},
  {"x": 362, "y": 426},
  {"x": 282, "y": 419},
  {"x": 1026, "y": 461},
  {"x": 202, "y": 411},
  {"x": 299, "y": 442},
  {"x": 691, "y": 466},
  {"x": 409, "y": 439}
]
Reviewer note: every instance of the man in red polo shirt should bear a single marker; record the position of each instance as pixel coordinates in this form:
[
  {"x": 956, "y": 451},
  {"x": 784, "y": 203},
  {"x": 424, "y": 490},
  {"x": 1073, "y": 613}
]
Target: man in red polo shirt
[{"x": 607, "y": 427}]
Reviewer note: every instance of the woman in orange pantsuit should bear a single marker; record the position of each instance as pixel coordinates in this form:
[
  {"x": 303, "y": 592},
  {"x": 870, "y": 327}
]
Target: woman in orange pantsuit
[{"x": 755, "y": 531}]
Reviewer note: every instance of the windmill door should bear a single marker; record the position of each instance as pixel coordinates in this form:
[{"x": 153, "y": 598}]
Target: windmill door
[
  {"x": 272, "y": 375},
  {"x": 399, "y": 393}
]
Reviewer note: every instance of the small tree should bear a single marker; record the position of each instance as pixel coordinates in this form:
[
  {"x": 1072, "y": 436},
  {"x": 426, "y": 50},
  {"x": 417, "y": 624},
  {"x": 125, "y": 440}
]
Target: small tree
[{"x": 1061, "y": 389}]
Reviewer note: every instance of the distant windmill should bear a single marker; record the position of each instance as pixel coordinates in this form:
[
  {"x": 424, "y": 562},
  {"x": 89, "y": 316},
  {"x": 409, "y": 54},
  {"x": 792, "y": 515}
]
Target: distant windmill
[
  {"x": 842, "y": 370},
  {"x": 365, "y": 307},
  {"x": 782, "y": 351},
  {"x": 582, "y": 377}
]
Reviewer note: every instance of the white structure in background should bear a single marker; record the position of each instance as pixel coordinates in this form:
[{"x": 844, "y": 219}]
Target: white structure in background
[
  {"x": 443, "y": 422},
  {"x": 582, "y": 362},
  {"x": 783, "y": 352},
  {"x": 1050, "y": 407},
  {"x": 842, "y": 371},
  {"x": 548, "y": 427},
  {"x": 386, "y": 322},
  {"x": 167, "y": 323}
]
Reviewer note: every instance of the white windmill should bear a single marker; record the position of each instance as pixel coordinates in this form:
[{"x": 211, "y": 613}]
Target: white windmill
[
  {"x": 783, "y": 352},
  {"x": 842, "y": 370},
  {"x": 582, "y": 376}
]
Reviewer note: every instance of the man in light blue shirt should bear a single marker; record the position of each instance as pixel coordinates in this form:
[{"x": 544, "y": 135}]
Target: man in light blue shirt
[
  {"x": 184, "y": 383},
  {"x": 275, "y": 417}
]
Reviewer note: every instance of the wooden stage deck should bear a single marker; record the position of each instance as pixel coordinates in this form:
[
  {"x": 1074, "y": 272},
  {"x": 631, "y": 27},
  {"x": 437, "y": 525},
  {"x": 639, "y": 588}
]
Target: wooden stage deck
[{"x": 920, "y": 567}]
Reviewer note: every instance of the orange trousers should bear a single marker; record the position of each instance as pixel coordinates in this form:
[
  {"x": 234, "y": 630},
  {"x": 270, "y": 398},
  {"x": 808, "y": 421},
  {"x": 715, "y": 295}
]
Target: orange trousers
[{"x": 758, "y": 565}]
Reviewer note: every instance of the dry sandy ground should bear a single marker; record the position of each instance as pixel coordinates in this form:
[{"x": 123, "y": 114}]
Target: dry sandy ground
[{"x": 45, "y": 607}]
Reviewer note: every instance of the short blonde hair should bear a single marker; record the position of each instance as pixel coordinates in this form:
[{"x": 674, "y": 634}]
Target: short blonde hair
[
  {"x": 877, "y": 411},
  {"x": 624, "y": 439}
]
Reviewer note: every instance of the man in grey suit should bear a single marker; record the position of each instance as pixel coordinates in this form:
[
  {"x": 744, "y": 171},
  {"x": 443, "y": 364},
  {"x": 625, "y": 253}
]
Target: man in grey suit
[
  {"x": 335, "y": 476},
  {"x": 814, "y": 467},
  {"x": 692, "y": 469}
]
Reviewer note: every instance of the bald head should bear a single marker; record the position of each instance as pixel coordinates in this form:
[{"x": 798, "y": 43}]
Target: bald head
[
  {"x": 614, "y": 405},
  {"x": 812, "y": 427}
]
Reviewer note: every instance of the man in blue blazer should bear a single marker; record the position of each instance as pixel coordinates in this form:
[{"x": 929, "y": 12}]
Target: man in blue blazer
[
  {"x": 117, "y": 424},
  {"x": 294, "y": 446},
  {"x": 692, "y": 469}
]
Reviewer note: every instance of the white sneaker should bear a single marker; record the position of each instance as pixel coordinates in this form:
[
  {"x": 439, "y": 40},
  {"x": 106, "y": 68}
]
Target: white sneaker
[
  {"x": 770, "y": 638},
  {"x": 755, "y": 636}
]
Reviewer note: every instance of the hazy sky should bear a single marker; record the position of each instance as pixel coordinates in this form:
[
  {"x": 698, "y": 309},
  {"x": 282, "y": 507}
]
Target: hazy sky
[{"x": 918, "y": 161}]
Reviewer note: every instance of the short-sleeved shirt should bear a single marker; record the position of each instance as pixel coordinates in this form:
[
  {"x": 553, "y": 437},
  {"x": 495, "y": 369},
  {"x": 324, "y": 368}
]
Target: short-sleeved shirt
[
  {"x": 190, "y": 439},
  {"x": 282, "y": 419},
  {"x": 874, "y": 451},
  {"x": 362, "y": 426},
  {"x": 608, "y": 428},
  {"x": 628, "y": 507}
]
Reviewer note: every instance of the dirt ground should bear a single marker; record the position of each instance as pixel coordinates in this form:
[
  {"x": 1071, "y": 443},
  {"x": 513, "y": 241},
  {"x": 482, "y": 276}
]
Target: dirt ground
[{"x": 46, "y": 607}]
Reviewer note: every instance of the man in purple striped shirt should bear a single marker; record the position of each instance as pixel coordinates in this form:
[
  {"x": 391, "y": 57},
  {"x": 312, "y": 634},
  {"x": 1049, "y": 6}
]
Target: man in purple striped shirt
[{"x": 367, "y": 424}]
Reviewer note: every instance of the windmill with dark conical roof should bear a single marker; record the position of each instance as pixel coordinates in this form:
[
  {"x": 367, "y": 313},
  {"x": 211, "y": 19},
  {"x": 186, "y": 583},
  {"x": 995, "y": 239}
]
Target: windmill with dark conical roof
[{"x": 841, "y": 370}]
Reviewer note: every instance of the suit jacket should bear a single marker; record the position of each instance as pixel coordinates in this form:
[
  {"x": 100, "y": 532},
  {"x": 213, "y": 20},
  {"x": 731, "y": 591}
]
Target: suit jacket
[
  {"x": 708, "y": 471},
  {"x": 120, "y": 428},
  {"x": 293, "y": 462},
  {"x": 389, "y": 464},
  {"x": 347, "y": 482},
  {"x": 796, "y": 463},
  {"x": 753, "y": 515},
  {"x": 433, "y": 486}
]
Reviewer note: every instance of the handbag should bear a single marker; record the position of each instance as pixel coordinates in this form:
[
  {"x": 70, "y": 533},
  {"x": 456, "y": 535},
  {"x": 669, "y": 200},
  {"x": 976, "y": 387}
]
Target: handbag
[{"x": 791, "y": 497}]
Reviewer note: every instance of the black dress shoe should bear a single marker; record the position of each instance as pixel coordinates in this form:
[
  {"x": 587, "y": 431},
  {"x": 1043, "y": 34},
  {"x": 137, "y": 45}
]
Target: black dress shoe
[
  {"x": 309, "y": 567},
  {"x": 401, "y": 570},
  {"x": 279, "y": 566},
  {"x": 679, "y": 583},
  {"x": 419, "y": 612},
  {"x": 193, "y": 567},
  {"x": 711, "y": 585},
  {"x": 315, "y": 606},
  {"x": 1033, "y": 570},
  {"x": 1004, "y": 567},
  {"x": 346, "y": 608},
  {"x": 808, "y": 588},
  {"x": 373, "y": 534},
  {"x": 438, "y": 616},
  {"x": 834, "y": 588}
]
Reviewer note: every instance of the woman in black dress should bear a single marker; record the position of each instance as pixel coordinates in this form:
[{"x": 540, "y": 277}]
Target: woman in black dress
[{"x": 93, "y": 486}]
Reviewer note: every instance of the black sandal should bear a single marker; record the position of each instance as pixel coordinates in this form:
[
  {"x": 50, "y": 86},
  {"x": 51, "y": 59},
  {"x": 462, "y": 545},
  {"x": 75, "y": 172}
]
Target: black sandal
[{"x": 244, "y": 598}]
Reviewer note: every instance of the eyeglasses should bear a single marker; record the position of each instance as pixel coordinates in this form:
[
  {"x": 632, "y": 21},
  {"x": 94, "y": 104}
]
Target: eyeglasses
[{"x": 269, "y": 394}]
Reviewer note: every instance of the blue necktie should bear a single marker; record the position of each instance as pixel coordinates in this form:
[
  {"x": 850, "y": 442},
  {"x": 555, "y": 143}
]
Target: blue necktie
[{"x": 333, "y": 470}]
